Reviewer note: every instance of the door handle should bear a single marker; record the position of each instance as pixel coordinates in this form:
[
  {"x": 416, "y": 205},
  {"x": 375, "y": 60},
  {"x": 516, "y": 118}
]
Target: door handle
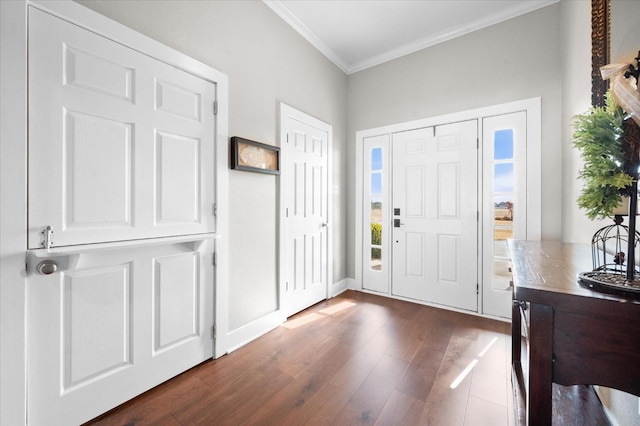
[
  {"x": 324, "y": 224},
  {"x": 397, "y": 223},
  {"x": 47, "y": 267}
]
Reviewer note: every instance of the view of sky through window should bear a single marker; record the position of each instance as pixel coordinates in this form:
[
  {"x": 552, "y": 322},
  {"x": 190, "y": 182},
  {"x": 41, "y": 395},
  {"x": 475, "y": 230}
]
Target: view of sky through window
[
  {"x": 503, "y": 177},
  {"x": 376, "y": 178}
]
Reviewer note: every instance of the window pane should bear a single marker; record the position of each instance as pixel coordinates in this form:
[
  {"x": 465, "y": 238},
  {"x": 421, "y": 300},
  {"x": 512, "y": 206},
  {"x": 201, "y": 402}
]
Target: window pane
[
  {"x": 503, "y": 217},
  {"x": 376, "y": 186},
  {"x": 502, "y": 276},
  {"x": 503, "y": 144},
  {"x": 503, "y": 177},
  {"x": 376, "y": 159},
  {"x": 376, "y": 234},
  {"x": 376, "y": 259}
]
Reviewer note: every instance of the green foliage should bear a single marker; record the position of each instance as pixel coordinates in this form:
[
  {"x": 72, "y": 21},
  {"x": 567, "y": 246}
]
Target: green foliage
[
  {"x": 376, "y": 234},
  {"x": 599, "y": 136},
  {"x": 376, "y": 253}
]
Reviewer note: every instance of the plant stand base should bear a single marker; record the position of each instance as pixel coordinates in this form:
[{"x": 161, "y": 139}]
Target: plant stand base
[{"x": 607, "y": 282}]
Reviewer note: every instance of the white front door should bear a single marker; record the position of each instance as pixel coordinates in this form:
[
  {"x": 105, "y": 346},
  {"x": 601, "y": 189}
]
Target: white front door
[
  {"x": 435, "y": 210},
  {"x": 504, "y": 205},
  {"x": 121, "y": 155},
  {"x": 305, "y": 195}
]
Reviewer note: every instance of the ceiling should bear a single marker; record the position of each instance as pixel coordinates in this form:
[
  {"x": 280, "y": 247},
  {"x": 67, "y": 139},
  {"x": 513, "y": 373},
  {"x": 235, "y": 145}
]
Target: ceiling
[{"x": 358, "y": 34}]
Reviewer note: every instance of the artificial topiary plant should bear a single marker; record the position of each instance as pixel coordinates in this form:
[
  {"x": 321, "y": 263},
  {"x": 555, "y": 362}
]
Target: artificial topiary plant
[{"x": 610, "y": 163}]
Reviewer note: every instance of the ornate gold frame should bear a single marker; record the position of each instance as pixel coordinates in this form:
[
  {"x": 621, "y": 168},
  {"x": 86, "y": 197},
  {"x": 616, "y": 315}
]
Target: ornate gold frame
[{"x": 600, "y": 48}]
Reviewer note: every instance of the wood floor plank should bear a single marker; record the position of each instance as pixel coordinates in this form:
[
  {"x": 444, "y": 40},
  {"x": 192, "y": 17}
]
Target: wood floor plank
[
  {"x": 320, "y": 409},
  {"x": 400, "y": 410},
  {"x": 291, "y": 403},
  {"x": 153, "y": 407},
  {"x": 421, "y": 374},
  {"x": 481, "y": 412},
  {"x": 230, "y": 404},
  {"x": 355, "y": 359},
  {"x": 355, "y": 370},
  {"x": 366, "y": 404}
]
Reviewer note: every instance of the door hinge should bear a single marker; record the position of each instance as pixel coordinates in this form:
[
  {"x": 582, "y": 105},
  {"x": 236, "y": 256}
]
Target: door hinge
[
  {"x": 47, "y": 232},
  {"x": 477, "y": 215},
  {"x": 214, "y": 260},
  {"x": 215, "y": 107},
  {"x": 287, "y": 137},
  {"x": 215, "y": 209},
  {"x": 214, "y": 332},
  {"x": 477, "y": 143},
  {"x": 477, "y": 288}
]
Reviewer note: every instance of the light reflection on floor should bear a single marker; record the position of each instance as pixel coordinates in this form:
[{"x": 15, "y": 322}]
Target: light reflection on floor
[
  {"x": 306, "y": 319},
  {"x": 471, "y": 365},
  {"x": 337, "y": 308}
]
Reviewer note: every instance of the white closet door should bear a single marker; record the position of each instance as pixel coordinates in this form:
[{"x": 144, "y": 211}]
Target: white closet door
[
  {"x": 305, "y": 183},
  {"x": 121, "y": 164}
]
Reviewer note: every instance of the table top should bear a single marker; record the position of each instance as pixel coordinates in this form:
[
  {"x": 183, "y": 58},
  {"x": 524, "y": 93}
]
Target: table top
[{"x": 546, "y": 272}]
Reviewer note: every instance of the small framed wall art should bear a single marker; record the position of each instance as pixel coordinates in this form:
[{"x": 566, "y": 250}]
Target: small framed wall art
[{"x": 254, "y": 156}]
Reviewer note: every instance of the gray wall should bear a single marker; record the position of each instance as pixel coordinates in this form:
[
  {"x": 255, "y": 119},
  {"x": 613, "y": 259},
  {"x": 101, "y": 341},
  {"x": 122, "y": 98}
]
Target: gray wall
[
  {"x": 513, "y": 60},
  {"x": 267, "y": 62}
]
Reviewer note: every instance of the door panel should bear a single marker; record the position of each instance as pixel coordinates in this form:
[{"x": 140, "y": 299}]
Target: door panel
[
  {"x": 177, "y": 172},
  {"x": 176, "y": 292},
  {"x": 117, "y": 323},
  {"x": 120, "y": 145},
  {"x": 100, "y": 151},
  {"x": 435, "y": 252},
  {"x": 305, "y": 242},
  {"x": 95, "y": 299}
]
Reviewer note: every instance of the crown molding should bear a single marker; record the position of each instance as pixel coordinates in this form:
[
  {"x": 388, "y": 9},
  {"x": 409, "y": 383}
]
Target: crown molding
[{"x": 283, "y": 12}]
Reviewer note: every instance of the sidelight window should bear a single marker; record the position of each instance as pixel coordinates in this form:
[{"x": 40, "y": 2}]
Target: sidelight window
[
  {"x": 375, "y": 217},
  {"x": 504, "y": 206}
]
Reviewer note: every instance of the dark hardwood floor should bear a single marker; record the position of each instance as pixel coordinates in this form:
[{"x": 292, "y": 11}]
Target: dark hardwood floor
[{"x": 354, "y": 359}]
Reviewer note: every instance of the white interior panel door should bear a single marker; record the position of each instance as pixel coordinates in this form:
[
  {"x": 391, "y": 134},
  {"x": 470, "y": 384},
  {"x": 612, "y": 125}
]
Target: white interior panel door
[
  {"x": 121, "y": 167},
  {"x": 305, "y": 185},
  {"x": 120, "y": 145},
  {"x": 435, "y": 233}
]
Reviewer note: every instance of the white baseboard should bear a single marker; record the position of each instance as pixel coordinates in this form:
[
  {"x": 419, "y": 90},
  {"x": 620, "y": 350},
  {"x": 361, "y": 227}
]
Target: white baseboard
[
  {"x": 249, "y": 332},
  {"x": 339, "y": 287},
  {"x": 353, "y": 284}
]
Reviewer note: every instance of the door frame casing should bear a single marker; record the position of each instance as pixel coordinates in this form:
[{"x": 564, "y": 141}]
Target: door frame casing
[
  {"x": 289, "y": 111},
  {"x": 532, "y": 106},
  {"x": 13, "y": 180}
]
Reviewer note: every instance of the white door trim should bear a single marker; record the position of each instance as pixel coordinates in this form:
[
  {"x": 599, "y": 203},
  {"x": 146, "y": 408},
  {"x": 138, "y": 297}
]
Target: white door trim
[
  {"x": 13, "y": 110},
  {"x": 534, "y": 160},
  {"x": 288, "y": 111},
  {"x": 13, "y": 217}
]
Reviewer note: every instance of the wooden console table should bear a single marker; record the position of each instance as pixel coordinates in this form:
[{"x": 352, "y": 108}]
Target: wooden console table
[{"x": 576, "y": 336}]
